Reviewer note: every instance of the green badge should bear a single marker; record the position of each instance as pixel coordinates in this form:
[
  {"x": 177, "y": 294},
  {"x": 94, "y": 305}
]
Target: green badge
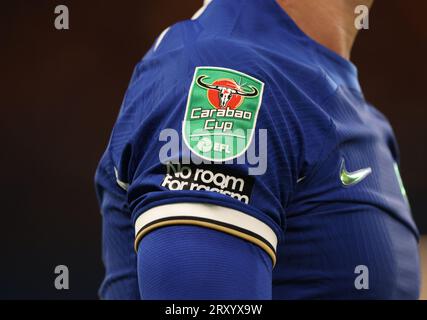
[{"x": 221, "y": 114}]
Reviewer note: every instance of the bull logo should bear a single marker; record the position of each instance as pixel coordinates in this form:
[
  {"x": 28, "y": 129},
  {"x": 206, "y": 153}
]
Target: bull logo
[
  {"x": 226, "y": 93},
  {"x": 221, "y": 113}
]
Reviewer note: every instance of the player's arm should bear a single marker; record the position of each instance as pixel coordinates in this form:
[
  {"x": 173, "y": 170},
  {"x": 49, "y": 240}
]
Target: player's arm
[
  {"x": 191, "y": 262},
  {"x": 194, "y": 242}
]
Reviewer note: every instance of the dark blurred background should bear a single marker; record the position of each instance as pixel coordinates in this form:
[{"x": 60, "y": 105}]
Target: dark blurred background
[{"x": 60, "y": 94}]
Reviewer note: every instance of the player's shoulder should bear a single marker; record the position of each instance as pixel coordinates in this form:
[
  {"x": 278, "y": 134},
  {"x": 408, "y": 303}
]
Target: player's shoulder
[
  {"x": 190, "y": 44},
  {"x": 187, "y": 44}
]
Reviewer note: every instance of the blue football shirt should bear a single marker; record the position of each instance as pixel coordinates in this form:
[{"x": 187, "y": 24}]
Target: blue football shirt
[{"x": 239, "y": 122}]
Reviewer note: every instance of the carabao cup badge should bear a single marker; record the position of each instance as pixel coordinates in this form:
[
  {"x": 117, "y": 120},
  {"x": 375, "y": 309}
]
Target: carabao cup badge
[{"x": 221, "y": 113}]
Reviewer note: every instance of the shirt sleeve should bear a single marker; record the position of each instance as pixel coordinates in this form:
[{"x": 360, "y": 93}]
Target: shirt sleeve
[
  {"x": 206, "y": 137},
  {"x": 212, "y": 265}
]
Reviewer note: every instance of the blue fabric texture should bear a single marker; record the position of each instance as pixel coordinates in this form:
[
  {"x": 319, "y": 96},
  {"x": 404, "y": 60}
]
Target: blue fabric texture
[{"x": 190, "y": 262}]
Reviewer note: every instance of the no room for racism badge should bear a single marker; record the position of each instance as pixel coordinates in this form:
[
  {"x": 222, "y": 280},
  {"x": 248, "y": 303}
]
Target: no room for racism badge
[{"x": 221, "y": 114}]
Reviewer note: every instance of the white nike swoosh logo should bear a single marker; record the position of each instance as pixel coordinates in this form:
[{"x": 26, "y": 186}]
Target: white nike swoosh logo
[{"x": 352, "y": 178}]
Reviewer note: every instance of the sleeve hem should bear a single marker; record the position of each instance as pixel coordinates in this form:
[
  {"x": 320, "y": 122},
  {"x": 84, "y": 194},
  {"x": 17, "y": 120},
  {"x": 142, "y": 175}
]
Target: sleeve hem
[{"x": 211, "y": 216}]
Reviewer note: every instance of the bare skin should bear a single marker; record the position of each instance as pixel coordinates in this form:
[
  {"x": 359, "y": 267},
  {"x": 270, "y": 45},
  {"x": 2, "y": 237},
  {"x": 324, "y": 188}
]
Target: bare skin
[{"x": 329, "y": 22}]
